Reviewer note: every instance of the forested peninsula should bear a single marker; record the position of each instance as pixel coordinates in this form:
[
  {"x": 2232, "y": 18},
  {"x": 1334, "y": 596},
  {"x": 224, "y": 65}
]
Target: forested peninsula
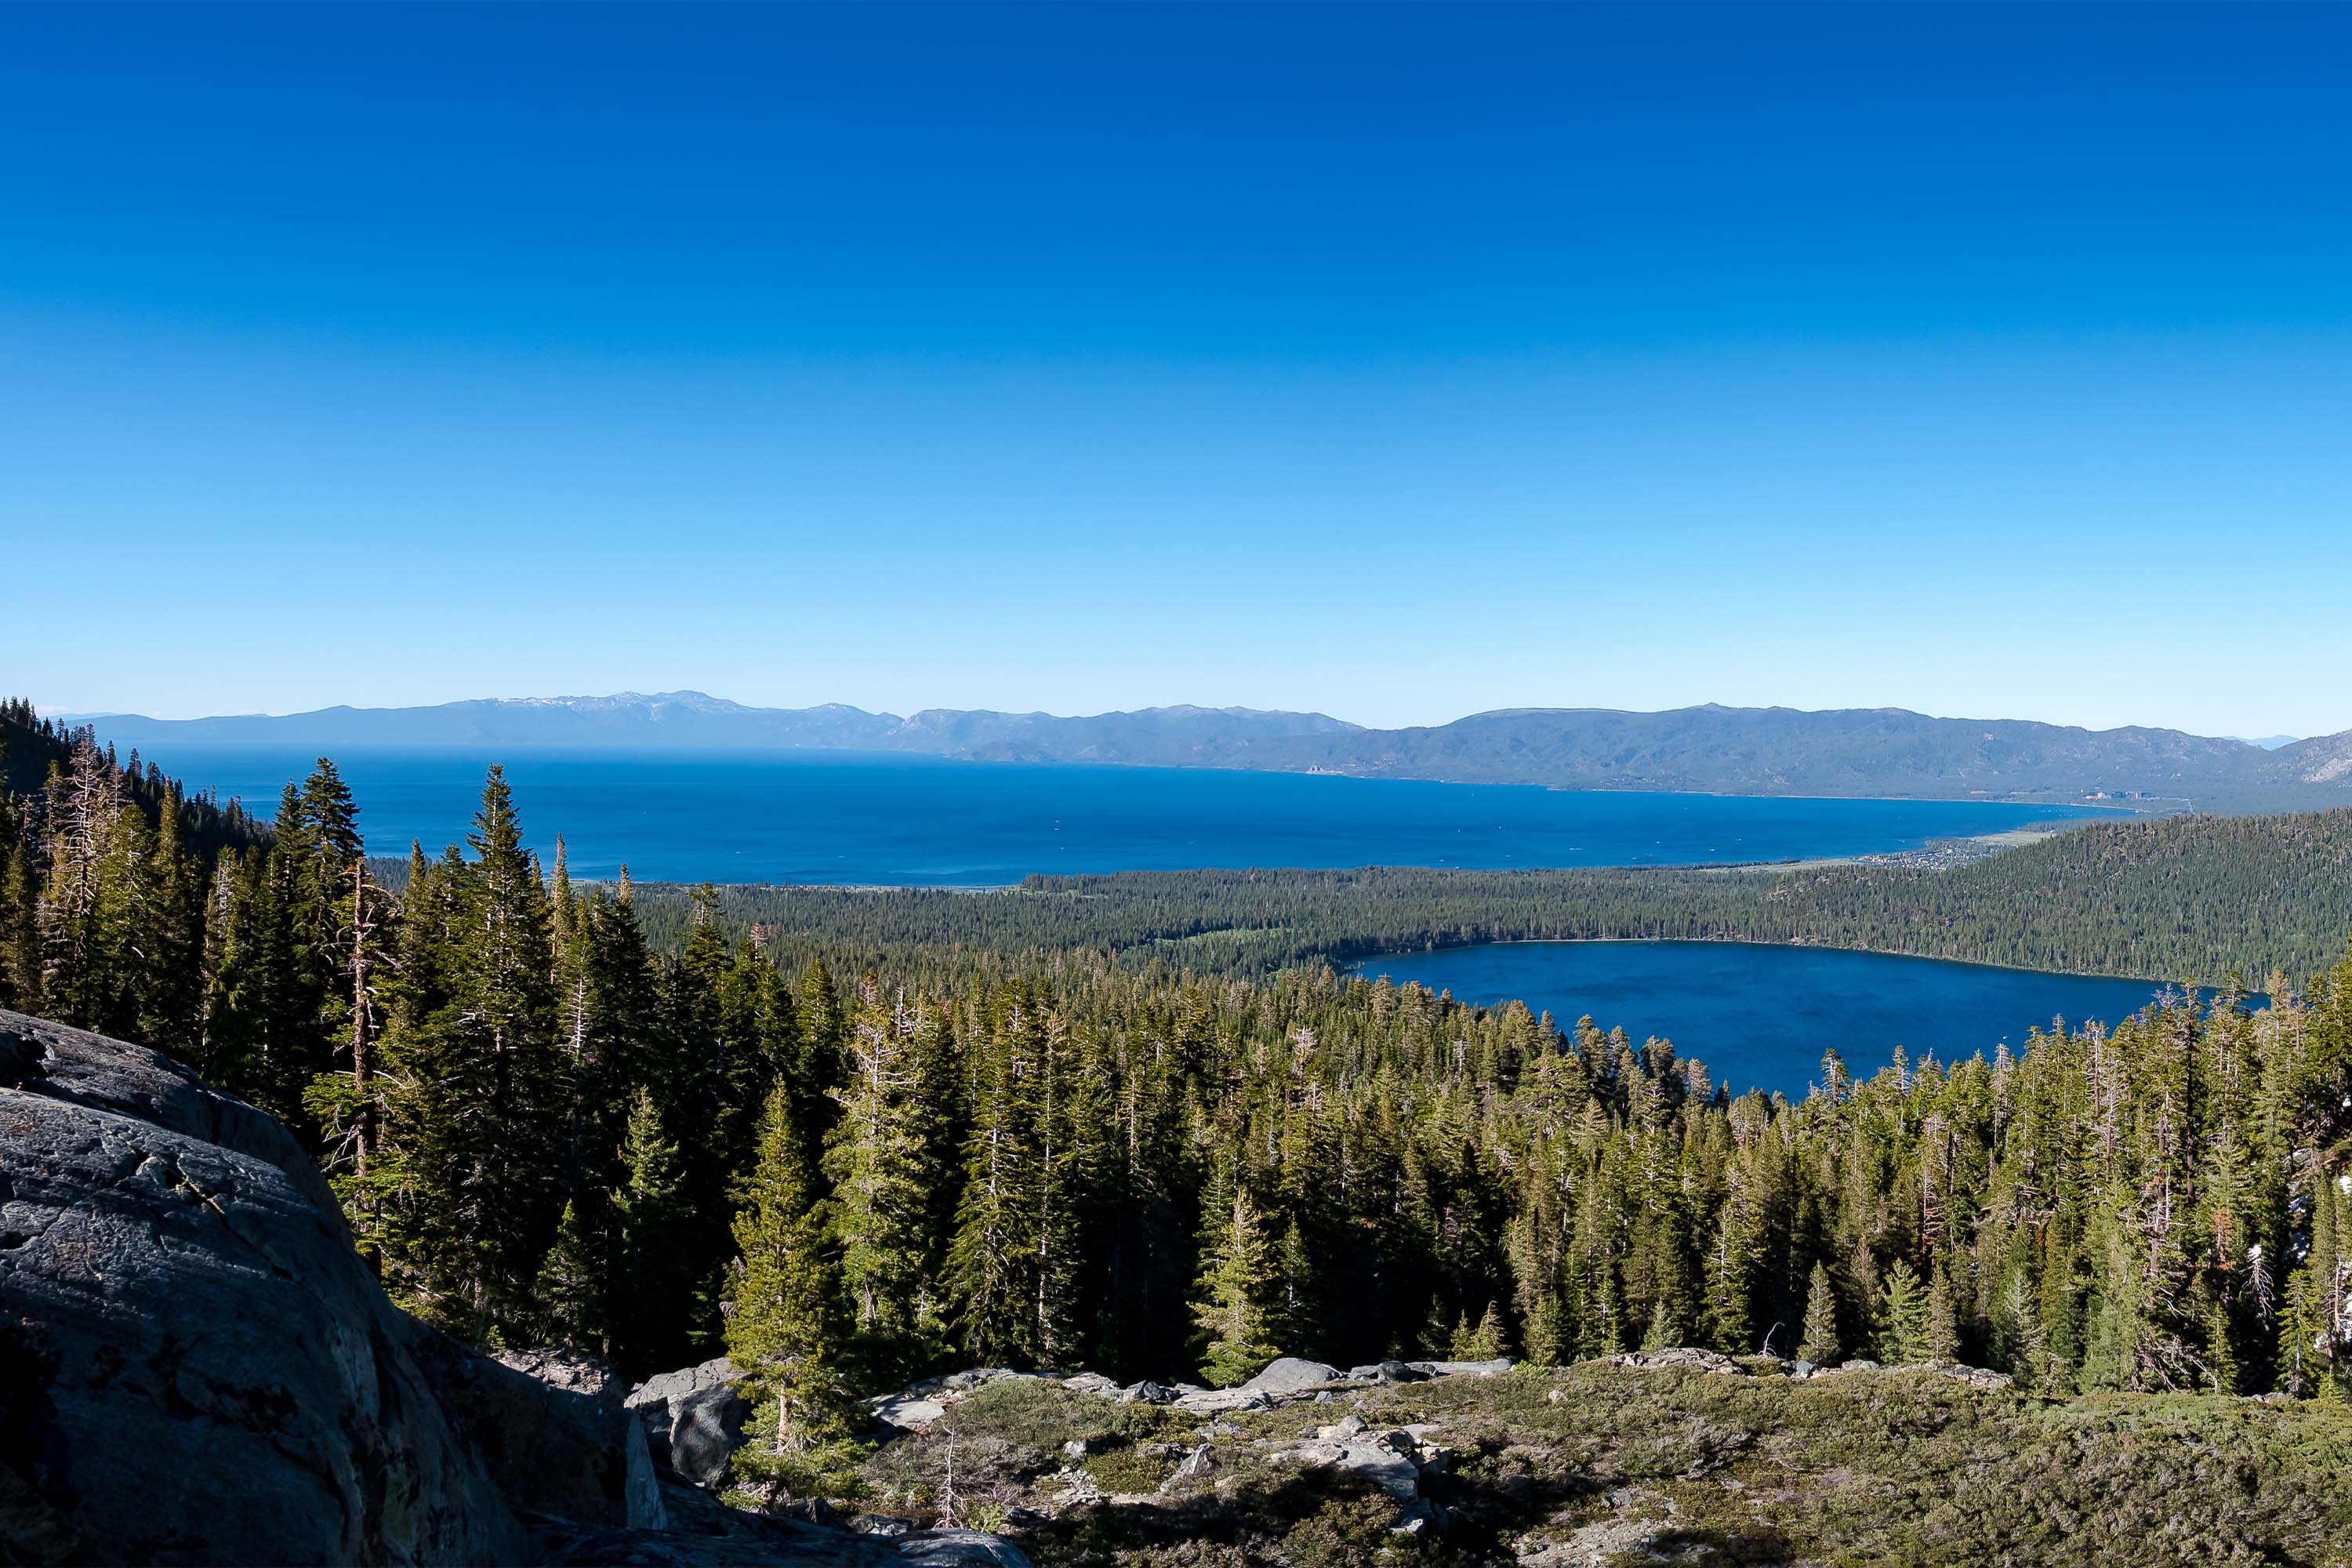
[{"x": 2170, "y": 900}]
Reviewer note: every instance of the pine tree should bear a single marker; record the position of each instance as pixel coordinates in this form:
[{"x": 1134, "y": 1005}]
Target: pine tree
[
  {"x": 1484, "y": 1342},
  {"x": 400, "y": 1197},
  {"x": 1903, "y": 1316},
  {"x": 819, "y": 1069},
  {"x": 1297, "y": 1319},
  {"x": 1064, "y": 1145},
  {"x": 570, "y": 1287},
  {"x": 1549, "y": 1333},
  {"x": 2326, "y": 1268},
  {"x": 1942, "y": 1334},
  {"x": 1665, "y": 1330},
  {"x": 650, "y": 1298},
  {"x": 1235, "y": 1307},
  {"x": 563, "y": 909},
  {"x": 603, "y": 1017},
  {"x": 321, "y": 909},
  {"x": 89, "y": 907},
  {"x": 993, "y": 1262},
  {"x": 881, "y": 1205},
  {"x": 1821, "y": 1343},
  {"x": 487, "y": 1162},
  {"x": 249, "y": 977},
  {"x": 784, "y": 1330},
  {"x": 350, "y": 1105},
  {"x": 171, "y": 937},
  {"x": 1732, "y": 1266},
  {"x": 20, "y": 937}
]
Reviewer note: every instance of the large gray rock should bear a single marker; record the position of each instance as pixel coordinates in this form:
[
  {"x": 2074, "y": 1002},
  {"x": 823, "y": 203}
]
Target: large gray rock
[
  {"x": 194, "y": 1365},
  {"x": 573, "y": 1451},
  {"x": 1494, "y": 1368},
  {"x": 961, "y": 1548},
  {"x": 1218, "y": 1401},
  {"x": 1386, "y": 1459},
  {"x": 1289, "y": 1374},
  {"x": 569, "y": 1368},
  {"x": 908, "y": 1412},
  {"x": 665, "y": 1388},
  {"x": 694, "y": 1419},
  {"x": 706, "y": 1429}
]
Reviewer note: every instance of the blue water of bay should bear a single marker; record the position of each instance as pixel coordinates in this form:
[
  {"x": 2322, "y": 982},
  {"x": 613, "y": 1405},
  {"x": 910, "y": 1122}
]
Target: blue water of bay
[
  {"x": 848, "y": 817},
  {"x": 1762, "y": 1016}
]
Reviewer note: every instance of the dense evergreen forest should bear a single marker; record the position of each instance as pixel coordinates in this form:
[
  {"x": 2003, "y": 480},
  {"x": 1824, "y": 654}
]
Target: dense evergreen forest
[
  {"x": 2179, "y": 898},
  {"x": 548, "y": 1122}
]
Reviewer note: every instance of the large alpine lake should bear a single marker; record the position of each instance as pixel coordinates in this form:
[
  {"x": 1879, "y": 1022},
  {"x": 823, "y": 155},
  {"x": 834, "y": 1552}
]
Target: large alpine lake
[
  {"x": 847, "y": 817},
  {"x": 1761, "y": 1017}
]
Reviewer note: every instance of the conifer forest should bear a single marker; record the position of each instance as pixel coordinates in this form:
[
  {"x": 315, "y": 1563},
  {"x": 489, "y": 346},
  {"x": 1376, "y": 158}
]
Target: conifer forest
[{"x": 544, "y": 1124}]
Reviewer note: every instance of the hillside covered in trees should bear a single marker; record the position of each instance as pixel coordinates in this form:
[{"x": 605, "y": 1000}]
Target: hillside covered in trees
[
  {"x": 546, "y": 1123},
  {"x": 1710, "y": 748},
  {"x": 2176, "y": 899}
]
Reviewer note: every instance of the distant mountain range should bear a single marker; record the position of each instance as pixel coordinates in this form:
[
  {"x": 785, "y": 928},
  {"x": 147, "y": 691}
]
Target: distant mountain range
[{"x": 1735, "y": 751}]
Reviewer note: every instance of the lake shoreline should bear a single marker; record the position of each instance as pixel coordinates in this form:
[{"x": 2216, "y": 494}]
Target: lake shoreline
[{"x": 1357, "y": 966}]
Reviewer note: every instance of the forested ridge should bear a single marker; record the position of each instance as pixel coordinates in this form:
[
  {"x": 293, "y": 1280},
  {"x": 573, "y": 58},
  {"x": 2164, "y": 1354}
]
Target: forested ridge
[
  {"x": 2176, "y": 899},
  {"x": 1734, "y": 750},
  {"x": 547, "y": 1123},
  {"x": 32, "y": 747}
]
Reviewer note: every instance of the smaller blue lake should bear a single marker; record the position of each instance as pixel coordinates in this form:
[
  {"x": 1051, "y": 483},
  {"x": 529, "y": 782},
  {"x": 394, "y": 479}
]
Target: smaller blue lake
[{"x": 1760, "y": 1016}]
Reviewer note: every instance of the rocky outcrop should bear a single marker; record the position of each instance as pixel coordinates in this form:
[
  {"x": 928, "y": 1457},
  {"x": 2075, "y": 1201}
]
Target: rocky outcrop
[
  {"x": 195, "y": 1366},
  {"x": 959, "y": 1549},
  {"x": 552, "y": 1426},
  {"x": 1218, "y": 1401},
  {"x": 706, "y": 1429},
  {"x": 1394, "y": 1460},
  {"x": 659, "y": 1398},
  {"x": 916, "y": 1406},
  {"x": 1494, "y": 1368},
  {"x": 1289, "y": 1374},
  {"x": 199, "y": 1368},
  {"x": 694, "y": 1419},
  {"x": 1973, "y": 1376}
]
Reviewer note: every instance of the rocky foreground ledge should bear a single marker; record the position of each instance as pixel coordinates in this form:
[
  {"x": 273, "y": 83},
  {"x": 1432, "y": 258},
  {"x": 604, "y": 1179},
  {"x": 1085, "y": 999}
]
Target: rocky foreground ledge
[{"x": 195, "y": 1367}]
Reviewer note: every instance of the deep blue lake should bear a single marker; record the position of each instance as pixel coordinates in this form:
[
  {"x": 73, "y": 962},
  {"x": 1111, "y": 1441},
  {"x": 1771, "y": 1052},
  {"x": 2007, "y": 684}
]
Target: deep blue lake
[
  {"x": 1761, "y": 1017},
  {"x": 848, "y": 817}
]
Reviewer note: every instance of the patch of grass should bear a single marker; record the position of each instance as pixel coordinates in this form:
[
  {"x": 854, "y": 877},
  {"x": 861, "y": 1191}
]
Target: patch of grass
[
  {"x": 1869, "y": 1468},
  {"x": 1128, "y": 1470}
]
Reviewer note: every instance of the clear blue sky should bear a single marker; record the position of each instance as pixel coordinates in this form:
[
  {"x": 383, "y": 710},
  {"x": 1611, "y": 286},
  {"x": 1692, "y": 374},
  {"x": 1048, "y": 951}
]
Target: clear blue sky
[{"x": 1394, "y": 363}]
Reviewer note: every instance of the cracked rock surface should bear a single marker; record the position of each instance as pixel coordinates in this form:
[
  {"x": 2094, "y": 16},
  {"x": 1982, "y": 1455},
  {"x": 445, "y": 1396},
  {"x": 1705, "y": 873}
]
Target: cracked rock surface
[{"x": 195, "y": 1366}]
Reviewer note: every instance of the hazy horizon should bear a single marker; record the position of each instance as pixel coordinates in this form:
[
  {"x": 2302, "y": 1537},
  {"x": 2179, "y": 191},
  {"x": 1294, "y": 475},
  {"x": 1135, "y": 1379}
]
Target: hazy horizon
[{"x": 87, "y": 715}]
